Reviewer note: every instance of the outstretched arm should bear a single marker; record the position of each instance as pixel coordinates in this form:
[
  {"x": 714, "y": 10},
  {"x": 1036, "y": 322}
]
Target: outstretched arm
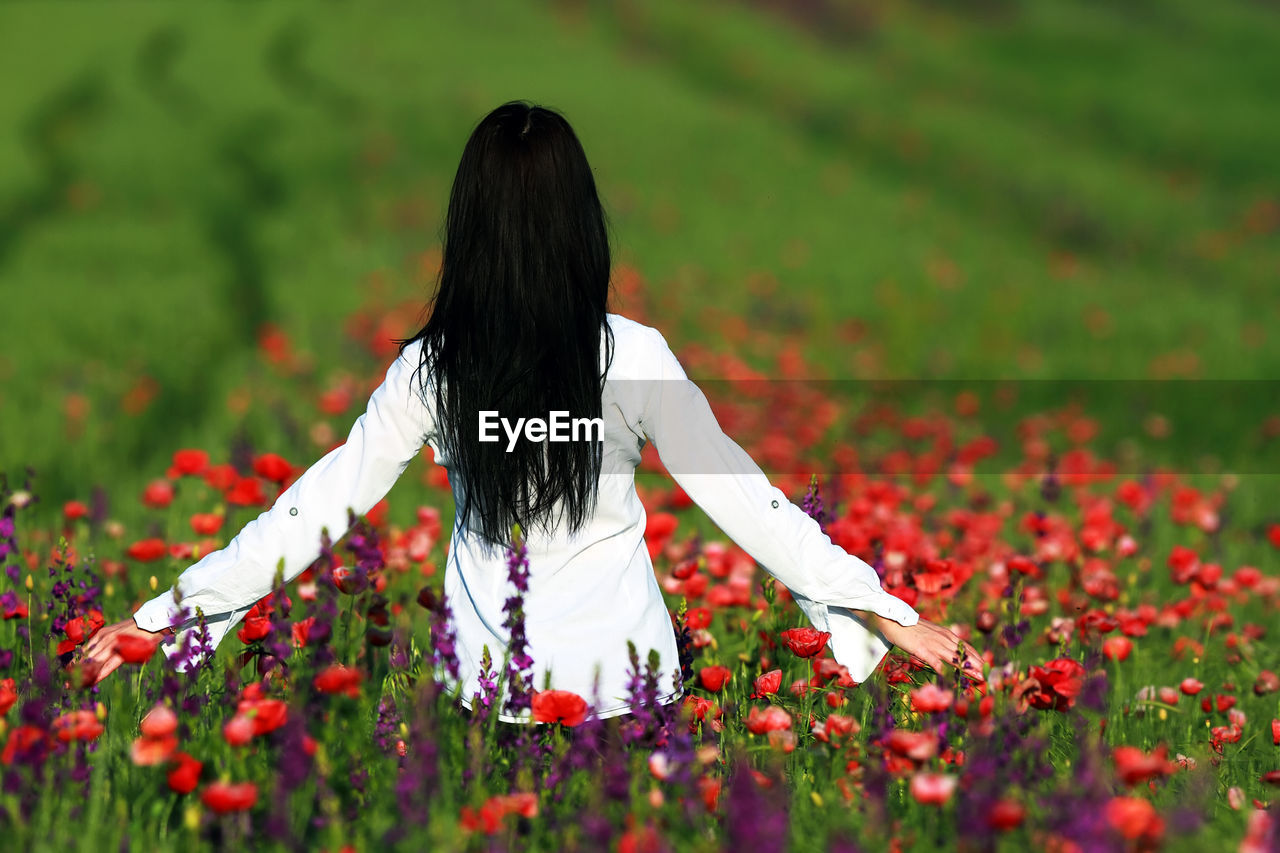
[
  {"x": 225, "y": 584},
  {"x": 838, "y": 592}
]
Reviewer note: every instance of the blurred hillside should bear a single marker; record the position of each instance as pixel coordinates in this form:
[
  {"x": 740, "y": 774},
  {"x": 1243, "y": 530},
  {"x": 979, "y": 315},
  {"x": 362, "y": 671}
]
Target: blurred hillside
[{"x": 932, "y": 190}]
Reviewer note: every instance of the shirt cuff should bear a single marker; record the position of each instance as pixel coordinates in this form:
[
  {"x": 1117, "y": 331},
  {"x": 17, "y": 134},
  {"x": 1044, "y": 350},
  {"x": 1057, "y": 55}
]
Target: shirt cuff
[
  {"x": 854, "y": 643},
  {"x": 159, "y": 613}
]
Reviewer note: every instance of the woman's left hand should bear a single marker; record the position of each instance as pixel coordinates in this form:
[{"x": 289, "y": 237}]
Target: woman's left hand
[
  {"x": 932, "y": 645},
  {"x": 100, "y": 658}
]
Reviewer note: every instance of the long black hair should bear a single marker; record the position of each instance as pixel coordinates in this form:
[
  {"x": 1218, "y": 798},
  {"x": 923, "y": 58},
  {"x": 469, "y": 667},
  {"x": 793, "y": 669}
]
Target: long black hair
[{"x": 516, "y": 322}]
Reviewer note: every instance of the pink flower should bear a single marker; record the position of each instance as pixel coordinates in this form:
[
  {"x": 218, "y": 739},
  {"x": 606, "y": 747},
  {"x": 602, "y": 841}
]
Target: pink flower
[
  {"x": 772, "y": 718},
  {"x": 932, "y": 789},
  {"x": 930, "y": 699}
]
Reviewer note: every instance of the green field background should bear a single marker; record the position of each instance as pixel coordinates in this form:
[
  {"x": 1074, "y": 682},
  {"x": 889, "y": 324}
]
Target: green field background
[{"x": 1039, "y": 191}]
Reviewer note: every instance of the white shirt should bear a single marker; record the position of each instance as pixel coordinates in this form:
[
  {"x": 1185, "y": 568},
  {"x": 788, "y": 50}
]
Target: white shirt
[{"x": 588, "y": 595}]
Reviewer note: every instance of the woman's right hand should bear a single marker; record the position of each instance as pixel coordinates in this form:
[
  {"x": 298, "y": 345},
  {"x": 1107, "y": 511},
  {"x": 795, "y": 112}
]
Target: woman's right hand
[
  {"x": 100, "y": 659},
  {"x": 932, "y": 645}
]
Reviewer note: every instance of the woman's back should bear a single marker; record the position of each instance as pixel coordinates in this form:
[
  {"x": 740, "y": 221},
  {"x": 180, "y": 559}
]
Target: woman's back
[{"x": 591, "y": 592}]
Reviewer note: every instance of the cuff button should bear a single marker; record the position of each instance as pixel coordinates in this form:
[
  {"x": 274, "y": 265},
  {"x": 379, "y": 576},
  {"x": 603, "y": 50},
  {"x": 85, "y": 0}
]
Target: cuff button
[
  {"x": 775, "y": 504},
  {"x": 293, "y": 510}
]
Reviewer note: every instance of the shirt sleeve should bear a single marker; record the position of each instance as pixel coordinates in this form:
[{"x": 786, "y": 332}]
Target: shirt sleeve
[
  {"x": 829, "y": 584},
  {"x": 225, "y": 584}
]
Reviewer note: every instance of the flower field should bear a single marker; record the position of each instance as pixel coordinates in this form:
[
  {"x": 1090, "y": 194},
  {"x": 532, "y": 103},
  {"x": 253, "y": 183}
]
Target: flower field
[
  {"x": 1131, "y": 700},
  {"x": 214, "y": 219}
]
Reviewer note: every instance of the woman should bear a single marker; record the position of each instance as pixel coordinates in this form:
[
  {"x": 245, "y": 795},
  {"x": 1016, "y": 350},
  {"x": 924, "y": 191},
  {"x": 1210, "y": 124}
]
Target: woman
[{"x": 519, "y": 334}]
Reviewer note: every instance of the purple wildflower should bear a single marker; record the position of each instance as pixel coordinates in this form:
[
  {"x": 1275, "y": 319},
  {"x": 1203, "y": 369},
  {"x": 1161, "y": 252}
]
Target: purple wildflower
[
  {"x": 362, "y": 542},
  {"x": 99, "y": 508},
  {"x": 419, "y": 768},
  {"x": 386, "y": 730},
  {"x": 444, "y": 639},
  {"x": 754, "y": 819},
  {"x": 294, "y": 767},
  {"x": 278, "y": 644},
  {"x": 812, "y": 503},
  {"x": 324, "y": 609},
  {"x": 519, "y": 664}
]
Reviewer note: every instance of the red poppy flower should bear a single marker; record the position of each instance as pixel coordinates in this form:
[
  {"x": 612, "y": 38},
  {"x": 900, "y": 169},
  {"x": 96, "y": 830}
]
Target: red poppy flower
[
  {"x": 221, "y": 477},
  {"x": 1023, "y": 565},
  {"x": 932, "y": 789},
  {"x": 8, "y": 696},
  {"x": 1218, "y": 735},
  {"x": 1191, "y": 686},
  {"x": 73, "y": 510},
  {"x": 1183, "y": 564},
  {"x": 767, "y": 684},
  {"x": 257, "y": 624},
  {"x": 349, "y": 581},
  {"x": 697, "y": 617},
  {"x": 23, "y": 740},
  {"x": 658, "y": 529},
  {"x": 190, "y": 462},
  {"x": 770, "y": 719},
  {"x": 158, "y": 494},
  {"x": 523, "y": 803},
  {"x": 685, "y": 569},
  {"x": 918, "y": 746},
  {"x": 805, "y": 642},
  {"x": 134, "y": 649},
  {"x": 1006, "y": 814},
  {"x": 337, "y": 678},
  {"x": 246, "y": 491},
  {"x": 267, "y": 715},
  {"x": 700, "y": 708},
  {"x": 377, "y": 514},
  {"x": 713, "y": 678},
  {"x": 275, "y": 345},
  {"x": 1054, "y": 685},
  {"x": 829, "y": 669},
  {"x": 1223, "y": 701},
  {"x": 835, "y": 727},
  {"x": 206, "y": 523},
  {"x": 238, "y": 730},
  {"x": 272, "y": 467},
  {"x": 488, "y": 819},
  {"x": 185, "y": 774},
  {"x": 160, "y": 721},
  {"x": 782, "y": 739},
  {"x": 80, "y": 629},
  {"x": 335, "y": 401},
  {"x": 559, "y": 706},
  {"x": 1266, "y": 682},
  {"x": 1117, "y": 648},
  {"x": 935, "y": 577},
  {"x": 1134, "y": 766},
  {"x": 490, "y": 815},
  {"x": 149, "y": 751},
  {"x": 709, "y": 789},
  {"x": 147, "y": 550},
  {"x": 930, "y": 699},
  {"x": 302, "y": 630},
  {"x": 77, "y": 725},
  {"x": 225, "y": 797},
  {"x": 1134, "y": 817}
]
